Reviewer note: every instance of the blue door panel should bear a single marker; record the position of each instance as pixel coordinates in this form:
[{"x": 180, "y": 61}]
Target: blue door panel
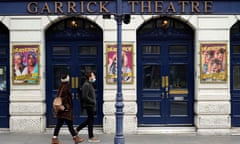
[
  {"x": 161, "y": 101},
  {"x": 4, "y": 77},
  {"x": 234, "y": 75},
  {"x": 75, "y": 54}
]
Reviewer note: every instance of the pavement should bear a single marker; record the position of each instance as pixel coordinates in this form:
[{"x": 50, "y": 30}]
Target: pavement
[{"x": 27, "y": 138}]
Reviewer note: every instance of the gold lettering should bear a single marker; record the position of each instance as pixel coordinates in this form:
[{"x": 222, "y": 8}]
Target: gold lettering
[
  {"x": 183, "y": 3},
  {"x": 82, "y": 6},
  {"x": 89, "y": 6},
  {"x": 102, "y": 7},
  {"x": 171, "y": 8},
  {"x": 71, "y": 7},
  {"x": 32, "y": 7},
  {"x": 58, "y": 7},
  {"x": 148, "y": 6},
  {"x": 46, "y": 9},
  {"x": 133, "y": 5},
  {"x": 208, "y": 6},
  {"x": 195, "y": 7},
  {"x": 158, "y": 6}
]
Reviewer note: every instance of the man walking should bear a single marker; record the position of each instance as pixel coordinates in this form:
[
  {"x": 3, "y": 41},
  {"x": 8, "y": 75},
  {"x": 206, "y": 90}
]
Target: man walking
[{"x": 89, "y": 103}]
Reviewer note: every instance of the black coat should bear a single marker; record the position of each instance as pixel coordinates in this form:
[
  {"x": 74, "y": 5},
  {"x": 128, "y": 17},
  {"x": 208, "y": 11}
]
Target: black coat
[{"x": 88, "y": 95}]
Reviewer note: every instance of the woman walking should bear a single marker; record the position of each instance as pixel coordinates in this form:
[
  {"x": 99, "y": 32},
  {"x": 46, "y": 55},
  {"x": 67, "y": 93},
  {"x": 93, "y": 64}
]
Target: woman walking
[{"x": 66, "y": 113}]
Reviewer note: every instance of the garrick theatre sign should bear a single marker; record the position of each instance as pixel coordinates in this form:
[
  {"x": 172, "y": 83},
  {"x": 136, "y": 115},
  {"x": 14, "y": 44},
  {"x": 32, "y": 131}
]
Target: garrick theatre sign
[
  {"x": 133, "y": 7},
  {"x": 130, "y": 7}
]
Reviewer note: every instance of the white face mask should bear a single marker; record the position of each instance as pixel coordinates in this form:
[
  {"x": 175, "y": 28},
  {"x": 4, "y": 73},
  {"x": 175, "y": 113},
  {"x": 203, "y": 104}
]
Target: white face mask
[{"x": 93, "y": 80}]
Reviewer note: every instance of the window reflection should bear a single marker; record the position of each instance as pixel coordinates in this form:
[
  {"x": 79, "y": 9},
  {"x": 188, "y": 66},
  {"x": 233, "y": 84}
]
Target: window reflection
[
  {"x": 151, "y": 108},
  {"x": 151, "y": 49},
  {"x": 236, "y": 77},
  {"x": 152, "y": 78},
  {"x": 178, "y": 108},
  {"x": 3, "y": 78},
  {"x": 236, "y": 49},
  {"x": 61, "y": 50},
  {"x": 177, "y": 77},
  {"x": 90, "y": 50}
]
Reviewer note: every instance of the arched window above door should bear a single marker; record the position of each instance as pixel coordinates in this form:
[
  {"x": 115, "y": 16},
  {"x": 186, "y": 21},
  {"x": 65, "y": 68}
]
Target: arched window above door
[
  {"x": 165, "y": 27},
  {"x": 74, "y": 28}
]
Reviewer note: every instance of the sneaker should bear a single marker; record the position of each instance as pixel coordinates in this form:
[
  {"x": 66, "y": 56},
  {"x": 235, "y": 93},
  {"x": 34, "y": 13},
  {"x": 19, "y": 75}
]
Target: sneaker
[{"x": 93, "y": 140}]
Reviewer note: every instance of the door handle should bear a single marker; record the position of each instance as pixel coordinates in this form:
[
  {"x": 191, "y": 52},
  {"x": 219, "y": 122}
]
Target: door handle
[
  {"x": 163, "y": 87},
  {"x": 76, "y": 80},
  {"x": 166, "y": 84},
  {"x": 73, "y": 84},
  {"x": 163, "y": 82}
]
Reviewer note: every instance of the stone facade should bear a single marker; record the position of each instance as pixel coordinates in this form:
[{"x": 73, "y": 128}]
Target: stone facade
[{"x": 212, "y": 101}]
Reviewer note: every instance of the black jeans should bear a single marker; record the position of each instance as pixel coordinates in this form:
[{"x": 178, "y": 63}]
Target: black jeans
[
  {"x": 60, "y": 123},
  {"x": 89, "y": 121}
]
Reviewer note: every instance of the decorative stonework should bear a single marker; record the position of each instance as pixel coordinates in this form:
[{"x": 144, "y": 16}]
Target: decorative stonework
[{"x": 33, "y": 124}]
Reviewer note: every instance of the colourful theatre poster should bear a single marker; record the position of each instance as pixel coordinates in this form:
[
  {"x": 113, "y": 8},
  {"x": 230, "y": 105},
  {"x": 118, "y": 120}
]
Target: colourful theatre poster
[
  {"x": 213, "y": 62},
  {"x": 25, "y": 64},
  {"x": 127, "y": 63}
]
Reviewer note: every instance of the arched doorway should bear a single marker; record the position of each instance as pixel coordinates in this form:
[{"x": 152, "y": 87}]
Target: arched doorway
[
  {"x": 73, "y": 46},
  {"x": 235, "y": 73},
  {"x": 4, "y": 76},
  {"x": 165, "y": 73}
]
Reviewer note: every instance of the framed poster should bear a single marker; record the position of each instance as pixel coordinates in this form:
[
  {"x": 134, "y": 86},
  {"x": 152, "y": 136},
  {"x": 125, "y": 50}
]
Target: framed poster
[
  {"x": 213, "y": 62},
  {"x": 127, "y": 63},
  {"x": 25, "y": 64}
]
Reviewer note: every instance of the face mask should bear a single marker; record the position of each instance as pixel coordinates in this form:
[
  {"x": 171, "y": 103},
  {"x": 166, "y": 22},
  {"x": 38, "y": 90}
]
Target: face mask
[{"x": 93, "y": 80}]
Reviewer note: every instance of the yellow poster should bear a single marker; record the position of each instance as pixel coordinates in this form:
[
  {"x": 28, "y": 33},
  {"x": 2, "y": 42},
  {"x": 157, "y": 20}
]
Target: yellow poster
[{"x": 213, "y": 62}]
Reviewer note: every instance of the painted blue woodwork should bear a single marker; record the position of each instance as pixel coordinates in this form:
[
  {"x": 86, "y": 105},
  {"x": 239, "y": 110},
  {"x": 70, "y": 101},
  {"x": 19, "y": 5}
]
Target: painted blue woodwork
[
  {"x": 158, "y": 99},
  {"x": 74, "y": 41},
  {"x": 235, "y": 81},
  {"x": 5, "y": 75}
]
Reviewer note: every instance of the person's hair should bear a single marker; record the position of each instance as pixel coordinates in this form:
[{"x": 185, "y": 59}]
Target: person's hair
[
  {"x": 19, "y": 54},
  {"x": 211, "y": 53},
  {"x": 88, "y": 74},
  {"x": 64, "y": 78},
  {"x": 221, "y": 50}
]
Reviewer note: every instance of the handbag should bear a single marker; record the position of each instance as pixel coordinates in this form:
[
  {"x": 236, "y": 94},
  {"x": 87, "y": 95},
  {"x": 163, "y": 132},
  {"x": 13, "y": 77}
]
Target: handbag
[{"x": 57, "y": 103}]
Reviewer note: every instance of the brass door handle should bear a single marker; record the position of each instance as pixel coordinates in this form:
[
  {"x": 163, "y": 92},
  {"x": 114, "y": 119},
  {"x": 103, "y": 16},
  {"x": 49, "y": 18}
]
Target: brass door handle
[
  {"x": 73, "y": 82},
  {"x": 76, "y": 80},
  {"x": 163, "y": 82}
]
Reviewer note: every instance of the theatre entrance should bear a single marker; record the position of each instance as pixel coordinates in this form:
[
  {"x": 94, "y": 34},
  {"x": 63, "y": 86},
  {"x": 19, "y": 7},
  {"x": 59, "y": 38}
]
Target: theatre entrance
[
  {"x": 165, "y": 73},
  {"x": 4, "y": 77},
  {"x": 73, "y": 46},
  {"x": 235, "y": 74}
]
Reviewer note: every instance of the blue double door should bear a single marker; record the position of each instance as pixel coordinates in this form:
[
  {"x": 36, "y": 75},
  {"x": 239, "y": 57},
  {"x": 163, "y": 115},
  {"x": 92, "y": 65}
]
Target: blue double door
[
  {"x": 165, "y": 60},
  {"x": 165, "y": 90},
  {"x": 4, "y": 77},
  {"x": 74, "y": 50}
]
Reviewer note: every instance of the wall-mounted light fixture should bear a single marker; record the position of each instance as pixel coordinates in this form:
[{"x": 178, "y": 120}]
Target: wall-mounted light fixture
[
  {"x": 165, "y": 22},
  {"x": 74, "y": 23}
]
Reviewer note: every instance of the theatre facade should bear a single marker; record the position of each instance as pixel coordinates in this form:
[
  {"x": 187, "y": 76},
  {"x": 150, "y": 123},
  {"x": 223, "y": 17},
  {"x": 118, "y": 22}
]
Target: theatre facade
[{"x": 180, "y": 64}]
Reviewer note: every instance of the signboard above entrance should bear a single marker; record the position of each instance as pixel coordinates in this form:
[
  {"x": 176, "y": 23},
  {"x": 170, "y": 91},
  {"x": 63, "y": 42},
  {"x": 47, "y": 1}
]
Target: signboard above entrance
[{"x": 134, "y": 7}]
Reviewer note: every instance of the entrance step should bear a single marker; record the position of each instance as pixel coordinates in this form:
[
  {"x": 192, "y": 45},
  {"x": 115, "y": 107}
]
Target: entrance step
[
  {"x": 235, "y": 131},
  {"x": 167, "y": 130},
  {"x": 64, "y": 131},
  {"x": 4, "y": 130}
]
